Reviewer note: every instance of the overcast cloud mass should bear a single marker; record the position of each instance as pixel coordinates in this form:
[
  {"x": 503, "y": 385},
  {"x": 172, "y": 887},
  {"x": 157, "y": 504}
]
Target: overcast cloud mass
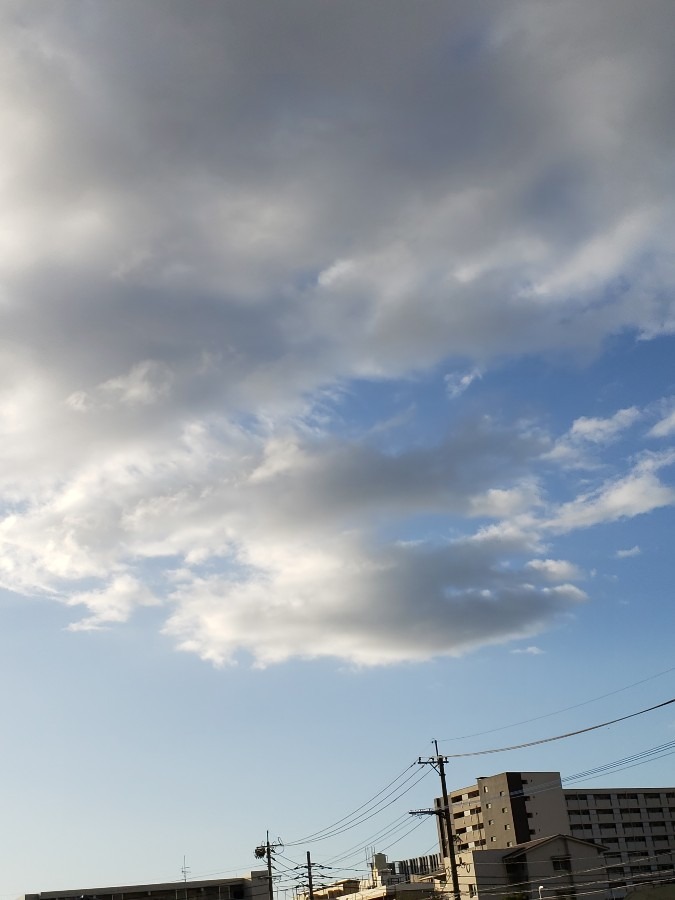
[{"x": 220, "y": 222}]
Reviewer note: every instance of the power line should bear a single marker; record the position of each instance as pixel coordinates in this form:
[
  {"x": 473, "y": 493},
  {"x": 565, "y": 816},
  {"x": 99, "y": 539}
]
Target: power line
[
  {"x": 350, "y": 815},
  {"x": 374, "y": 811},
  {"x": 381, "y": 835},
  {"x": 559, "y": 711},
  {"x": 629, "y": 762},
  {"x": 399, "y": 839},
  {"x": 560, "y": 737}
]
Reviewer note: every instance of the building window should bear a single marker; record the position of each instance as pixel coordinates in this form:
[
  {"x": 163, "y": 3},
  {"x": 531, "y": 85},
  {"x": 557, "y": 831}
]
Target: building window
[
  {"x": 507, "y": 827},
  {"x": 561, "y": 863},
  {"x": 504, "y": 809},
  {"x": 491, "y": 821},
  {"x": 493, "y": 840},
  {"x": 501, "y": 793},
  {"x": 472, "y": 890},
  {"x": 488, "y": 805},
  {"x": 509, "y": 843}
]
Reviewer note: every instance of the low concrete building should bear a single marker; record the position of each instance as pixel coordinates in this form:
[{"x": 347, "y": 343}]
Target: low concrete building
[
  {"x": 398, "y": 891},
  {"x": 253, "y": 887},
  {"x": 387, "y": 881}
]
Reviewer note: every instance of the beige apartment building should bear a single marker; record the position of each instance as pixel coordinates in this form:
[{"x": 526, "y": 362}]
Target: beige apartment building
[{"x": 636, "y": 826}]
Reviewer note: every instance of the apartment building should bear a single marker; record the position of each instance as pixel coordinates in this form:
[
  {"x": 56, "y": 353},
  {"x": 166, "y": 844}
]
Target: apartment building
[
  {"x": 635, "y": 825},
  {"x": 253, "y": 887}
]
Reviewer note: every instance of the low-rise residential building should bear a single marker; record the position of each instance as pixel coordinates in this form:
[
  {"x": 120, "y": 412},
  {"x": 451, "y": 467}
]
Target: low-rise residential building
[
  {"x": 558, "y": 867},
  {"x": 253, "y": 887}
]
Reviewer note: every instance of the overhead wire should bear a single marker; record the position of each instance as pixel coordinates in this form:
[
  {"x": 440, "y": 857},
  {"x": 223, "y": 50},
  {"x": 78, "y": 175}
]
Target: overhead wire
[
  {"x": 630, "y": 762},
  {"x": 374, "y": 811},
  {"x": 399, "y": 839},
  {"x": 384, "y": 830},
  {"x": 620, "y": 765},
  {"x": 381, "y": 835},
  {"x": 560, "y": 737},
  {"x": 350, "y": 815},
  {"x": 559, "y": 711}
]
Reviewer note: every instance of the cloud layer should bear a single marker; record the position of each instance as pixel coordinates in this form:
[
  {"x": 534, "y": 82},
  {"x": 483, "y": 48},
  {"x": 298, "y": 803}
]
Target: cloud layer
[{"x": 217, "y": 220}]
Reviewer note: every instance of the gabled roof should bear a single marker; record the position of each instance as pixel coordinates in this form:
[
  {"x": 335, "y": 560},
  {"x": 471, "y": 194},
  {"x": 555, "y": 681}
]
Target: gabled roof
[{"x": 528, "y": 845}]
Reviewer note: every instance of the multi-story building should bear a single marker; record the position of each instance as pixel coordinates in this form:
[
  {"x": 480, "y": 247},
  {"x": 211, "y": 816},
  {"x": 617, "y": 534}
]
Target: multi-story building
[
  {"x": 254, "y": 887},
  {"x": 635, "y": 825}
]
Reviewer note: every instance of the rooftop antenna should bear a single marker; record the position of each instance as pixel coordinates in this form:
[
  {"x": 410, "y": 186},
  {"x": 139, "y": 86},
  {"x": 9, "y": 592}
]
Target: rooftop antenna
[{"x": 185, "y": 869}]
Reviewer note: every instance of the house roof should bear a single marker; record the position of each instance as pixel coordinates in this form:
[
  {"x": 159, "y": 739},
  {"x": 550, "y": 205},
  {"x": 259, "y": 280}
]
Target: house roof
[{"x": 528, "y": 845}]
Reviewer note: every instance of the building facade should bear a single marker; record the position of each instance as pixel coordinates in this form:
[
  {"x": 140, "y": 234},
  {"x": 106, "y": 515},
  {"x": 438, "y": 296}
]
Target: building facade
[
  {"x": 253, "y": 887},
  {"x": 558, "y": 867},
  {"x": 635, "y": 825}
]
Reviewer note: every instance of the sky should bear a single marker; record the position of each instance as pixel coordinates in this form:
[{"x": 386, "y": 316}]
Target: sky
[{"x": 337, "y": 414}]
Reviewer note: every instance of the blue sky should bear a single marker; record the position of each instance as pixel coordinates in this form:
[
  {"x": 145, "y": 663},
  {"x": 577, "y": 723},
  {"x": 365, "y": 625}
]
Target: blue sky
[{"x": 337, "y": 411}]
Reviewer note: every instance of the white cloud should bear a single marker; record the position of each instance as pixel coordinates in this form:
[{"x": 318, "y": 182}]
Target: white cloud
[
  {"x": 457, "y": 384},
  {"x": 664, "y": 428},
  {"x": 530, "y": 651},
  {"x": 273, "y": 547},
  {"x": 351, "y": 602},
  {"x": 637, "y": 493},
  {"x": 183, "y": 283},
  {"x": 599, "y": 431},
  {"x": 505, "y": 503},
  {"x": 556, "y": 569},
  {"x": 572, "y": 449},
  {"x": 626, "y": 554},
  {"x": 112, "y": 604},
  {"x": 146, "y": 383}
]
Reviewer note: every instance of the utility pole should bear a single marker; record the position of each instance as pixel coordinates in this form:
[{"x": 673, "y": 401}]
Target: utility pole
[
  {"x": 309, "y": 876},
  {"x": 265, "y": 851},
  {"x": 445, "y": 823}
]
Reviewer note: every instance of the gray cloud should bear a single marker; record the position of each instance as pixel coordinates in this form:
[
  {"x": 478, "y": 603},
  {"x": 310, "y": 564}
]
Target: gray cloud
[
  {"x": 409, "y": 603},
  {"x": 214, "y": 214}
]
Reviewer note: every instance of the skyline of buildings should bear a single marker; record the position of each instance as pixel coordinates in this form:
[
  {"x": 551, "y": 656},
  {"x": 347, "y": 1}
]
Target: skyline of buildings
[{"x": 509, "y": 830}]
